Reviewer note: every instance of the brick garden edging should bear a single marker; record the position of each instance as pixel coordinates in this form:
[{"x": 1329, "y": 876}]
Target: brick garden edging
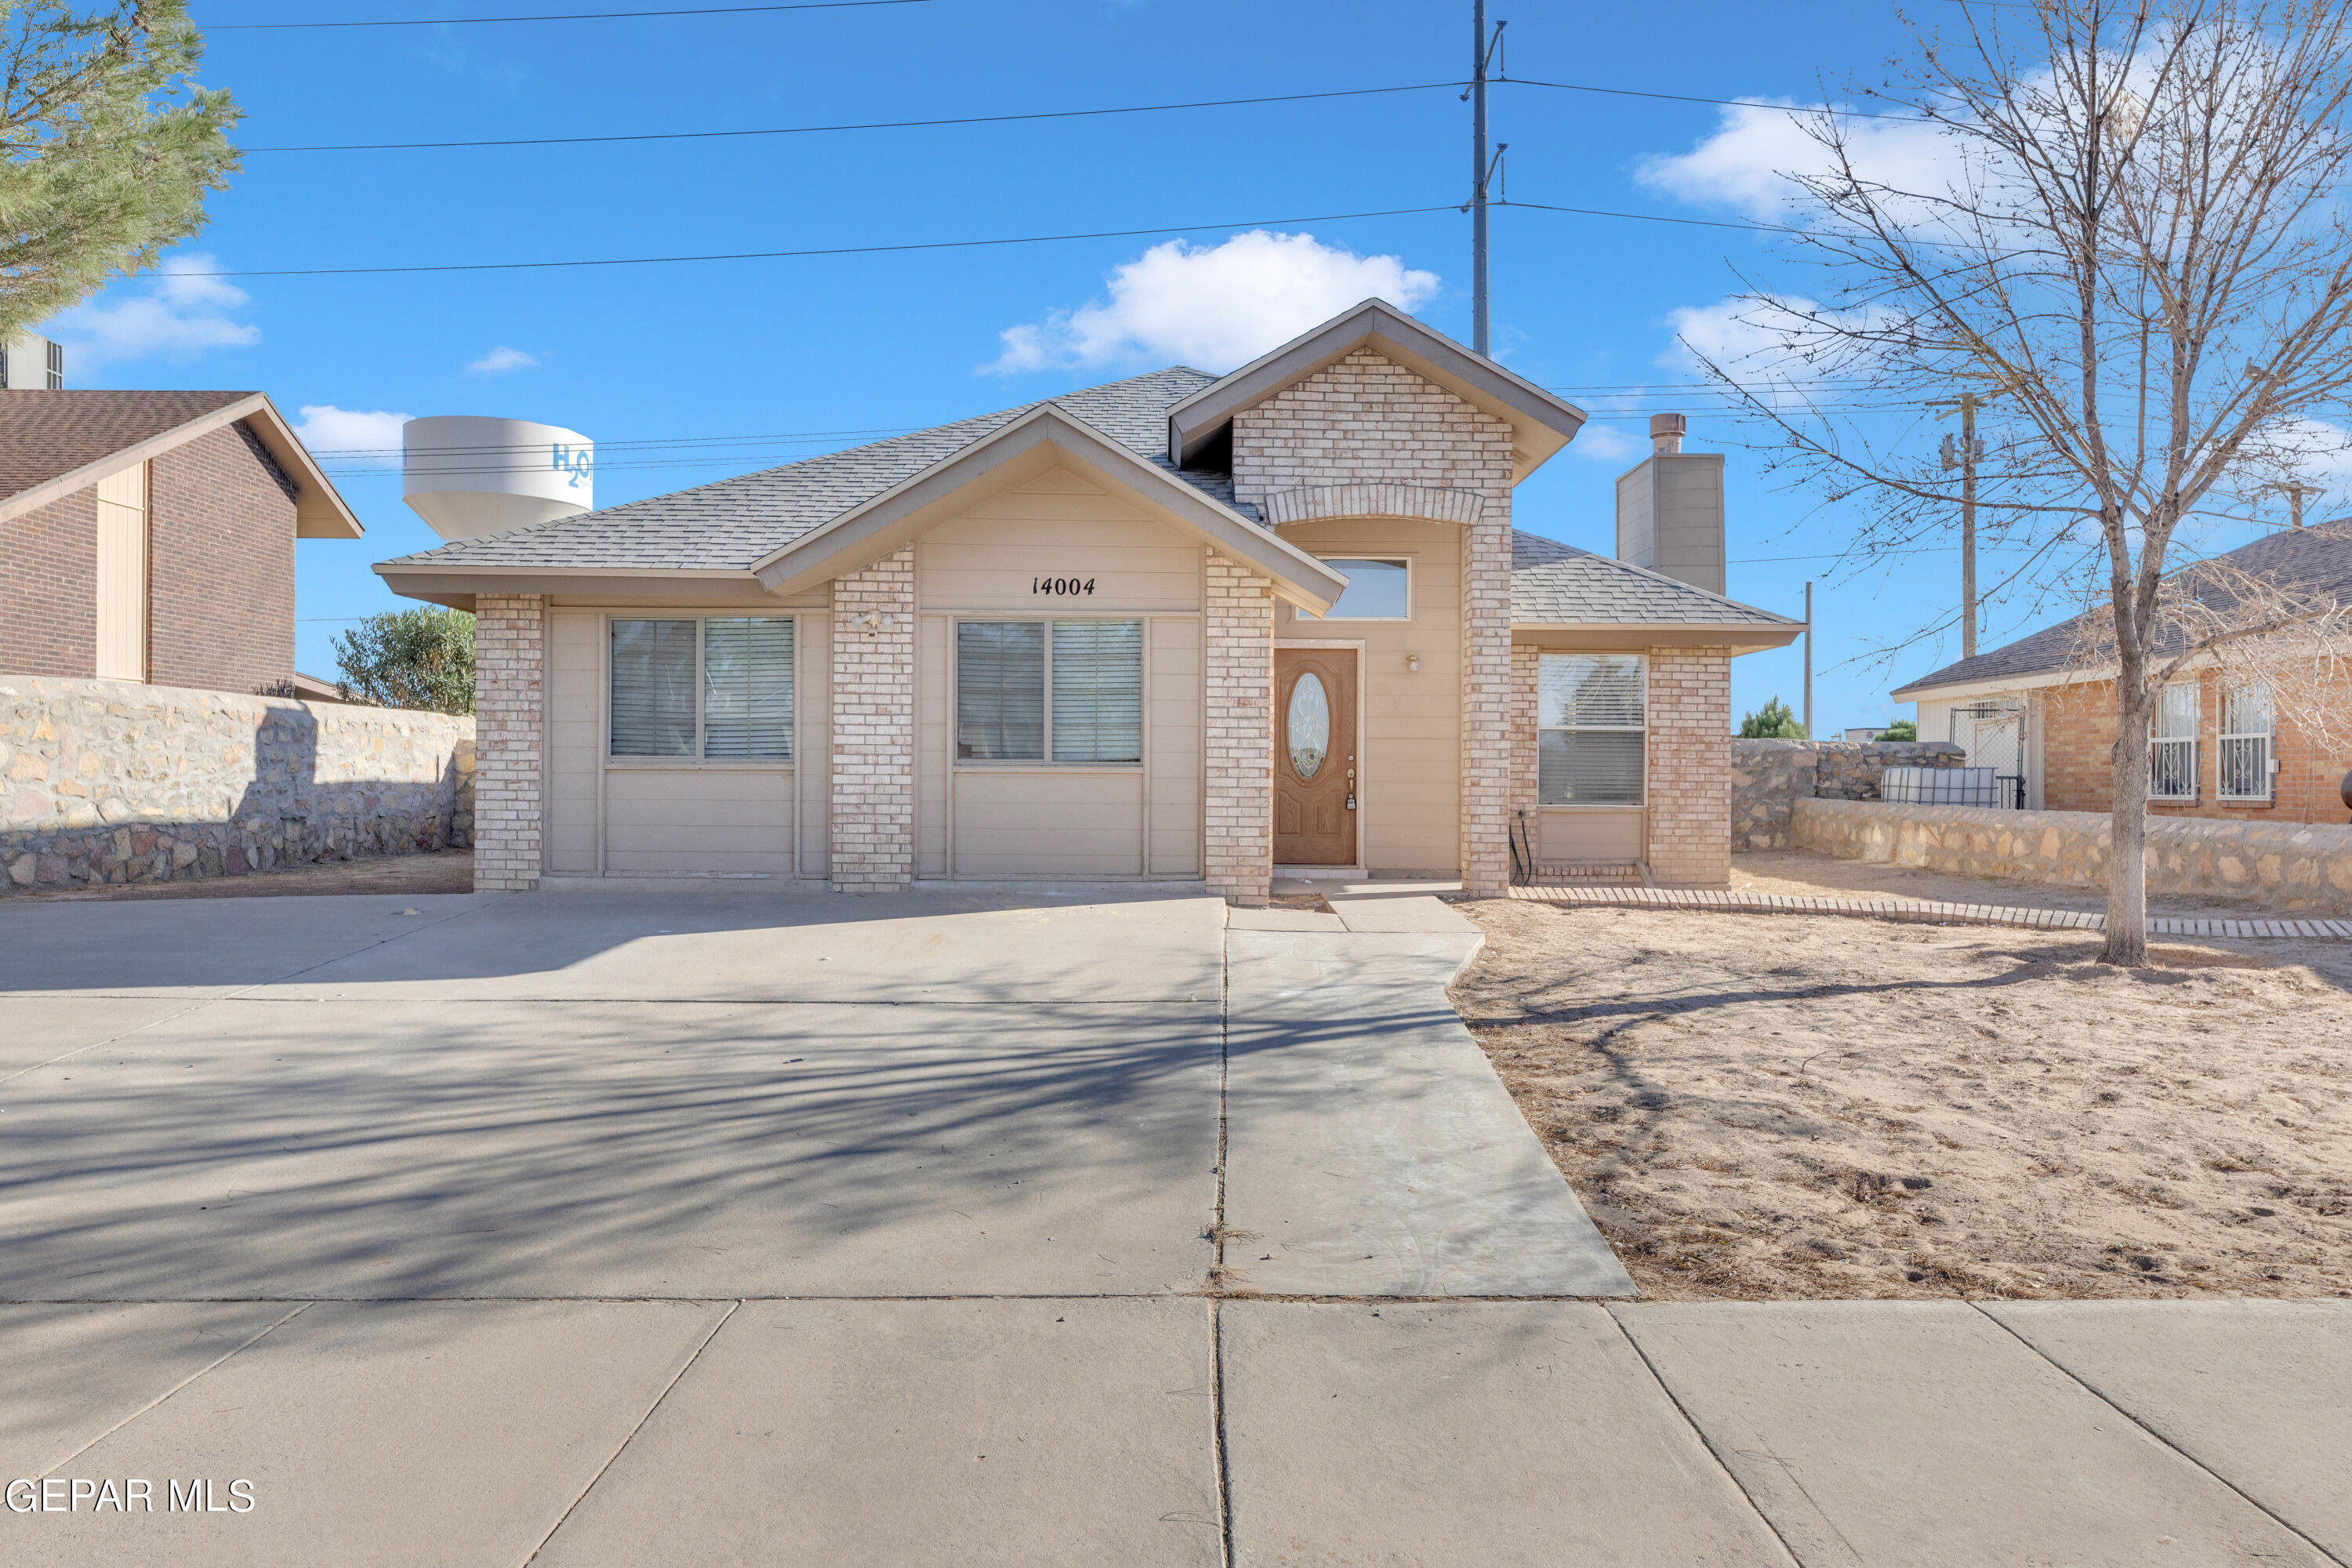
[
  {"x": 2292, "y": 866},
  {"x": 106, "y": 780},
  {"x": 1923, "y": 910}
]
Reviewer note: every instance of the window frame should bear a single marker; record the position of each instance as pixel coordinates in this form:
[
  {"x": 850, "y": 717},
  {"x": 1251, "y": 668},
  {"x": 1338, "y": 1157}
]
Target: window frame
[
  {"x": 1046, "y": 763},
  {"x": 2268, "y": 736},
  {"x": 701, "y": 693},
  {"x": 1329, "y": 618},
  {"x": 1642, "y": 664},
  {"x": 2194, "y": 773}
]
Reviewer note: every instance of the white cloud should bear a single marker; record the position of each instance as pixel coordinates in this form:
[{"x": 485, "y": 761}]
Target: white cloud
[
  {"x": 1747, "y": 162},
  {"x": 1214, "y": 306},
  {"x": 178, "y": 314},
  {"x": 501, "y": 359},
  {"x": 1603, "y": 444},
  {"x": 348, "y": 436}
]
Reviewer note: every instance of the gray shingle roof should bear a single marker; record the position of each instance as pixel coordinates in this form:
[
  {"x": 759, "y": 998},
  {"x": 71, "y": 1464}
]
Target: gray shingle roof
[
  {"x": 2316, "y": 560},
  {"x": 1554, "y": 584},
  {"x": 731, "y": 524}
]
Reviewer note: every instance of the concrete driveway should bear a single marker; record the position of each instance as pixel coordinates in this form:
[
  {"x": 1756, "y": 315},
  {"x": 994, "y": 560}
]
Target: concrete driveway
[{"x": 965, "y": 1228}]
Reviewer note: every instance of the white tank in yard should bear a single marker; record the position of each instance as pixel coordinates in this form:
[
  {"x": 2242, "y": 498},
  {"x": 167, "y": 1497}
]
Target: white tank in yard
[{"x": 470, "y": 476}]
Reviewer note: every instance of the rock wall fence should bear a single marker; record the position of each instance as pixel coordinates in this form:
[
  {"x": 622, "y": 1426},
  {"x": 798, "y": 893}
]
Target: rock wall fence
[
  {"x": 105, "y": 781},
  {"x": 2278, "y": 865},
  {"x": 1770, "y": 776}
]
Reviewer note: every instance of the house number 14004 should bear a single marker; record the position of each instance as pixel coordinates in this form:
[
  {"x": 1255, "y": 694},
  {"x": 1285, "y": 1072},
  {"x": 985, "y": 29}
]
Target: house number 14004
[{"x": 1063, "y": 585}]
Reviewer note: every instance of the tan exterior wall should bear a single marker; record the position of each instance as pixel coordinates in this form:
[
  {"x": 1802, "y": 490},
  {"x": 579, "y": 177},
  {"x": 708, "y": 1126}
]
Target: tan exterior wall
[
  {"x": 2078, "y": 737},
  {"x": 1409, "y": 762},
  {"x": 1365, "y": 420},
  {"x": 509, "y": 726}
]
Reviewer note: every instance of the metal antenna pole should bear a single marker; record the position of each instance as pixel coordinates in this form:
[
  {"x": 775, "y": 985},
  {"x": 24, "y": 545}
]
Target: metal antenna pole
[
  {"x": 1809, "y": 663},
  {"x": 1478, "y": 340},
  {"x": 1968, "y": 525}
]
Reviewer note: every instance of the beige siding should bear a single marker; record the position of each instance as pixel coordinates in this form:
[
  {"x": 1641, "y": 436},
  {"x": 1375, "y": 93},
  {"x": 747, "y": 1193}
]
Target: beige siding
[
  {"x": 1410, "y": 767},
  {"x": 123, "y": 593},
  {"x": 1057, "y": 525},
  {"x": 698, "y": 821},
  {"x": 1591, "y": 833},
  {"x": 575, "y": 738},
  {"x": 1048, "y": 824},
  {"x": 1173, "y": 745},
  {"x": 813, "y": 740}
]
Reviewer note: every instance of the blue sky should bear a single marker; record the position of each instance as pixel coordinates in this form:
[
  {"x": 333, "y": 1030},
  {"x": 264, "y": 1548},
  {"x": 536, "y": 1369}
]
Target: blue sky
[{"x": 831, "y": 350}]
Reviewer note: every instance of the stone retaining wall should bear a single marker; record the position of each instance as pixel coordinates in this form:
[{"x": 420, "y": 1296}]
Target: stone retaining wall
[
  {"x": 2276, "y": 865},
  {"x": 105, "y": 781},
  {"x": 1768, "y": 776}
]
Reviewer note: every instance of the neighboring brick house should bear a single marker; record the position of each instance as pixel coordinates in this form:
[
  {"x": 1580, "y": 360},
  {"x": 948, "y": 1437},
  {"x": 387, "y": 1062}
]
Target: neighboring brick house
[
  {"x": 1181, "y": 629},
  {"x": 2219, "y": 751},
  {"x": 149, "y": 536}
]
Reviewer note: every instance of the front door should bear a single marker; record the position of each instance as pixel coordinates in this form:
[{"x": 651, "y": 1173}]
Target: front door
[{"x": 1314, "y": 756}]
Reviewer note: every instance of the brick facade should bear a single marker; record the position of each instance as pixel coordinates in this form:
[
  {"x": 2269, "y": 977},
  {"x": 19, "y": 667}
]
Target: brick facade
[
  {"x": 2078, "y": 737},
  {"x": 1239, "y": 751},
  {"x": 48, "y": 589},
  {"x": 1690, "y": 765},
  {"x": 1526, "y": 761},
  {"x": 873, "y": 837},
  {"x": 509, "y": 663},
  {"x": 1365, "y": 420},
  {"x": 221, "y": 565}
]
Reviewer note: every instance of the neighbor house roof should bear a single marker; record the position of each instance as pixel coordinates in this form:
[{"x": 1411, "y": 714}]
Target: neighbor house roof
[
  {"x": 733, "y": 525},
  {"x": 1557, "y": 585},
  {"x": 53, "y": 444},
  {"x": 2314, "y": 559}
]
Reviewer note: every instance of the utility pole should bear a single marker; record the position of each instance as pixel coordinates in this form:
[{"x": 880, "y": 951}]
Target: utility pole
[
  {"x": 1809, "y": 664},
  {"x": 1482, "y": 51},
  {"x": 2294, "y": 491},
  {"x": 1969, "y": 453}
]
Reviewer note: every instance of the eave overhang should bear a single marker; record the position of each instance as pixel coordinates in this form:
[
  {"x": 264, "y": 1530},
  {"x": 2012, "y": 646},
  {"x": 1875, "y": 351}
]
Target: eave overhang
[{"x": 1736, "y": 637}]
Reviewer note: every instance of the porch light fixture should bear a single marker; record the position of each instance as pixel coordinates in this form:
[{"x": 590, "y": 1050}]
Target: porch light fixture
[{"x": 1412, "y": 662}]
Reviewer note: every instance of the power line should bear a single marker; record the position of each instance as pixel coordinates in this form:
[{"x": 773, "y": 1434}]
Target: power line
[
  {"x": 870, "y": 125},
  {"x": 1642, "y": 217},
  {"x": 786, "y": 255},
  {"x": 567, "y": 17},
  {"x": 1724, "y": 102}
]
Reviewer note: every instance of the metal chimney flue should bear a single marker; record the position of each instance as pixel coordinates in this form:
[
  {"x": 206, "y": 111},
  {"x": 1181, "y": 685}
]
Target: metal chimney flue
[{"x": 1666, "y": 433}]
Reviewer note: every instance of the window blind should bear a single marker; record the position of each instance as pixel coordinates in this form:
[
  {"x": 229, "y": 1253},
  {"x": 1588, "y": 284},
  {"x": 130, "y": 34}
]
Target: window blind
[
  {"x": 1001, "y": 690},
  {"x": 747, "y": 688},
  {"x": 653, "y": 688},
  {"x": 1097, "y": 692},
  {"x": 1592, "y": 737}
]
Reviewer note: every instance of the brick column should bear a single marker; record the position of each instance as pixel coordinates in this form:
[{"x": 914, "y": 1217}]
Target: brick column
[
  {"x": 1240, "y": 753},
  {"x": 509, "y": 658},
  {"x": 873, "y": 728},
  {"x": 1525, "y": 758},
  {"x": 1486, "y": 700},
  {"x": 1690, "y": 765}
]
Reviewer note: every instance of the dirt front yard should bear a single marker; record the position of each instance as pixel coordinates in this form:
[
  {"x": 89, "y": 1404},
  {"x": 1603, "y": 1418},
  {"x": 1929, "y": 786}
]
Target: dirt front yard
[{"x": 1786, "y": 1107}]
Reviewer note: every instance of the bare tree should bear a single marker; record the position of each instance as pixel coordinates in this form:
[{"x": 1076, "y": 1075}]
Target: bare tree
[{"x": 2128, "y": 234}]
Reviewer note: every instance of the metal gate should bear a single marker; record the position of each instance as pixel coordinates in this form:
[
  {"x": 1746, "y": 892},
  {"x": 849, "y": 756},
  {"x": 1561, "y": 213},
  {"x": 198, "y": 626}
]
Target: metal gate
[{"x": 1994, "y": 734}]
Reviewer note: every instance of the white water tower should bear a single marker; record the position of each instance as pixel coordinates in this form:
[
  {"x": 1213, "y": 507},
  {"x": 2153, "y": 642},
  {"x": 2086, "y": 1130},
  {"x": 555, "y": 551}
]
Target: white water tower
[{"x": 469, "y": 475}]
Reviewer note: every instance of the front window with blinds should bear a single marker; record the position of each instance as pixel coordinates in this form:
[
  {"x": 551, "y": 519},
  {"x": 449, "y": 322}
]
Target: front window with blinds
[
  {"x": 2172, "y": 744},
  {"x": 2248, "y": 737},
  {"x": 718, "y": 688},
  {"x": 1067, "y": 691},
  {"x": 1591, "y": 726}
]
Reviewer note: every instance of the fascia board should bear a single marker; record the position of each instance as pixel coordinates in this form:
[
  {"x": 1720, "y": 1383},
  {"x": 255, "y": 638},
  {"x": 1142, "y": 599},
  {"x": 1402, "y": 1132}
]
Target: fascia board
[
  {"x": 1742, "y": 638},
  {"x": 1541, "y": 423},
  {"x": 457, "y": 585},
  {"x": 2034, "y": 681},
  {"x": 857, "y": 536},
  {"x": 319, "y": 510}
]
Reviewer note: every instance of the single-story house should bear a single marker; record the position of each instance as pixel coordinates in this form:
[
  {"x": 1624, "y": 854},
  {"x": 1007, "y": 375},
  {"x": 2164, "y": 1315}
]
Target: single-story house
[
  {"x": 149, "y": 536},
  {"x": 1182, "y": 627},
  {"x": 2028, "y": 710}
]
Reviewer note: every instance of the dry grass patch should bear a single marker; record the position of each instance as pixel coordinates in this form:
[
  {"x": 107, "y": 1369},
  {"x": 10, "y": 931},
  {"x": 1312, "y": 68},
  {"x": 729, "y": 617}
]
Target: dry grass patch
[{"x": 1788, "y": 1107}]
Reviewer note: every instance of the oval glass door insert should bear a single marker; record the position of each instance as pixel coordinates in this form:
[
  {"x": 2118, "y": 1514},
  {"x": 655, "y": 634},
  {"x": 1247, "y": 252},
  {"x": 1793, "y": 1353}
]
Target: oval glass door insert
[{"x": 1309, "y": 725}]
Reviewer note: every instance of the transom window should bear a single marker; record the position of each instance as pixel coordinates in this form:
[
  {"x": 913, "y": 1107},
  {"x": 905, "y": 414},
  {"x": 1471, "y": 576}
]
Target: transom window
[
  {"x": 2172, "y": 744},
  {"x": 1592, "y": 729},
  {"x": 2248, "y": 770},
  {"x": 1376, "y": 591},
  {"x": 1077, "y": 684},
  {"x": 717, "y": 687}
]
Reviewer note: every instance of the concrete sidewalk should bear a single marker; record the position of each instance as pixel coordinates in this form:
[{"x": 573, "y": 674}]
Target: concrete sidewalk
[{"x": 683, "y": 1231}]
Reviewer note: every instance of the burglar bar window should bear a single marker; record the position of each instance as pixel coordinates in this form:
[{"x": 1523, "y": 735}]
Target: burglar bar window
[
  {"x": 1592, "y": 729},
  {"x": 740, "y": 710},
  {"x": 2172, "y": 744},
  {"x": 1078, "y": 682},
  {"x": 2247, "y": 736}
]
